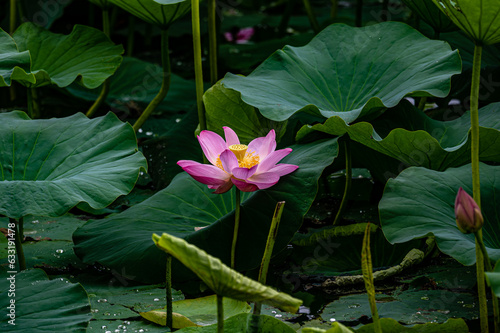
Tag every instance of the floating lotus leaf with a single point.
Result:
(349, 72)
(86, 55)
(186, 204)
(158, 12)
(408, 135)
(480, 20)
(428, 12)
(245, 322)
(13, 63)
(43, 305)
(223, 280)
(48, 166)
(420, 202)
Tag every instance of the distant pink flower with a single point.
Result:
(242, 36)
(250, 168)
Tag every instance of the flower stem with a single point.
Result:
(348, 180)
(366, 267)
(474, 120)
(130, 35)
(311, 16)
(18, 240)
(165, 85)
(195, 17)
(105, 86)
(212, 38)
(489, 268)
(220, 314)
(236, 226)
(13, 16)
(168, 289)
(271, 238)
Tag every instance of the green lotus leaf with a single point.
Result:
(200, 311)
(336, 328)
(137, 81)
(224, 107)
(493, 279)
(158, 12)
(479, 20)
(221, 279)
(408, 135)
(42, 305)
(389, 325)
(48, 166)
(86, 55)
(186, 204)
(420, 202)
(349, 72)
(428, 12)
(13, 63)
(245, 322)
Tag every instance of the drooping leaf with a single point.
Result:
(14, 64)
(349, 72)
(428, 12)
(223, 280)
(245, 322)
(407, 134)
(224, 107)
(479, 20)
(48, 166)
(186, 204)
(158, 12)
(42, 305)
(138, 81)
(86, 55)
(420, 202)
(200, 311)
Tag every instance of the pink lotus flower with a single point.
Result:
(250, 168)
(467, 213)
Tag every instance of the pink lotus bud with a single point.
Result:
(467, 213)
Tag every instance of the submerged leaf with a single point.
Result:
(223, 280)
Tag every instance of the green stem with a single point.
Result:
(359, 13)
(130, 35)
(18, 240)
(33, 107)
(334, 10)
(348, 180)
(271, 239)
(165, 85)
(489, 268)
(168, 288)
(13, 16)
(195, 17)
(421, 103)
(285, 18)
(105, 86)
(474, 119)
(220, 314)
(212, 38)
(366, 267)
(236, 226)
(311, 16)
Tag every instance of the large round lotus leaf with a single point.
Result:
(86, 55)
(478, 19)
(221, 279)
(420, 202)
(48, 166)
(349, 72)
(123, 241)
(159, 12)
(428, 12)
(42, 305)
(408, 135)
(137, 81)
(13, 63)
(224, 107)
(245, 322)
